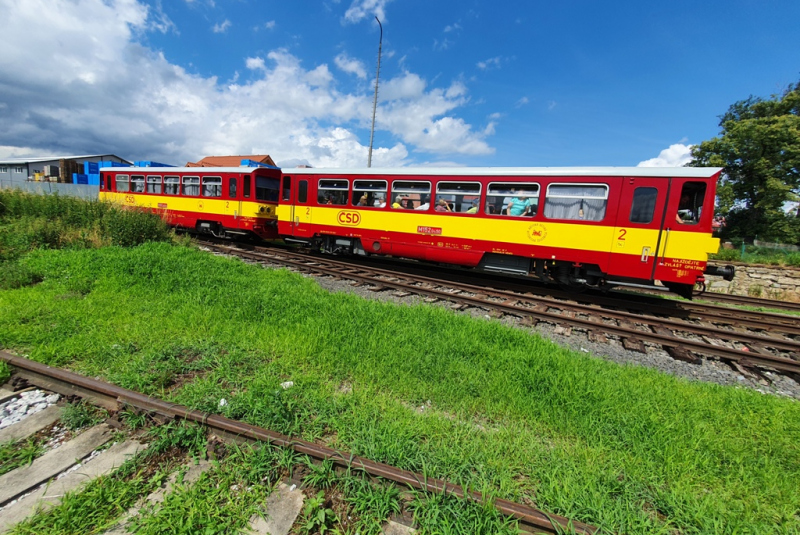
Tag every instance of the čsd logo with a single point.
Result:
(349, 219)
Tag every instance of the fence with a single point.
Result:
(44, 188)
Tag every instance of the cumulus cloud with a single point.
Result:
(86, 96)
(221, 27)
(350, 65)
(677, 155)
(491, 63)
(361, 9)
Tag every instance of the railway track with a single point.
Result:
(749, 341)
(114, 398)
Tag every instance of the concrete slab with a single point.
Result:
(30, 425)
(46, 497)
(158, 495)
(281, 510)
(393, 528)
(52, 463)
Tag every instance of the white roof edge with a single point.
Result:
(663, 172)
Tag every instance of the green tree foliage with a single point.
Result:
(759, 148)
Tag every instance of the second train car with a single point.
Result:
(575, 226)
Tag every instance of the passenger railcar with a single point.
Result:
(573, 226)
(222, 201)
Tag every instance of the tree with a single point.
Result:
(759, 148)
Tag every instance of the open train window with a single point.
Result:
(458, 197)
(191, 185)
(267, 188)
(585, 202)
(153, 184)
(410, 194)
(212, 186)
(171, 185)
(123, 183)
(519, 199)
(137, 183)
(332, 192)
(644, 205)
(369, 193)
(690, 206)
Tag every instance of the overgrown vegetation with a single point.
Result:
(32, 221)
(472, 401)
(752, 254)
(16, 454)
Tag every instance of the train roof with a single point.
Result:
(655, 172)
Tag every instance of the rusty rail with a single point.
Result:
(113, 397)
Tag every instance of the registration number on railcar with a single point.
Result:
(430, 231)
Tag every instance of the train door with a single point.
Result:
(638, 234)
(232, 207)
(686, 239)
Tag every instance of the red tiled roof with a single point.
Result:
(230, 161)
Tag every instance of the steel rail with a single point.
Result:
(744, 358)
(114, 397)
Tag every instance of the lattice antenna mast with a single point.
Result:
(375, 99)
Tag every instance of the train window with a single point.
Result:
(287, 190)
(171, 185)
(153, 184)
(267, 188)
(191, 185)
(102, 181)
(512, 198)
(644, 205)
(458, 197)
(232, 188)
(123, 183)
(212, 186)
(690, 205)
(576, 201)
(410, 194)
(332, 192)
(302, 191)
(246, 187)
(137, 183)
(369, 193)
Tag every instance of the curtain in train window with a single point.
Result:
(332, 192)
(191, 185)
(212, 186)
(123, 183)
(171, 185)
(137, 183)
(153, 184)
(585, 202)
(644, 205)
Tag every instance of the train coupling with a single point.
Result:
(726, 272)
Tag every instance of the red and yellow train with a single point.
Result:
(574, 226)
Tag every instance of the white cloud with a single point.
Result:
(350, 65)
(521, 102)
(86, 96)
(221, 27)
(677, 155)
(361, 9)
(452, 27)
(491, 63)
(270, 25)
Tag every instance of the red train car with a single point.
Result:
(223, 201)
(574, 226)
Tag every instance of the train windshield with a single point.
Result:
(267, 188)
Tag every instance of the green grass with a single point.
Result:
(758, 255)
(506, 412)
(19, 453)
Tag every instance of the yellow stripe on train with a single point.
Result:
(203, 205)
(586, 237)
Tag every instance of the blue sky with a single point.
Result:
(519, 83)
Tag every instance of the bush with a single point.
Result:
(128, 228)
